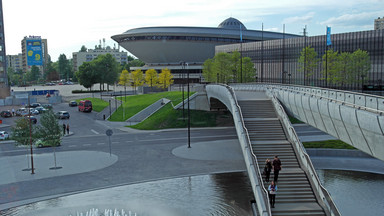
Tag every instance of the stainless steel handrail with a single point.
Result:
(253, 155)
(244, 131)
(327, 199)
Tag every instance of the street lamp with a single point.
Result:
(189, 112)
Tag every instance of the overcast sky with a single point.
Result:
(67, 25)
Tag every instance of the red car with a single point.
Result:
(85, 106)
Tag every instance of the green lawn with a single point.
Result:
(136, 103)
(97, 104)
(334, 144)
(167, 117)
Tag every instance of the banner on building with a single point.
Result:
(329, 43)
(34, 52)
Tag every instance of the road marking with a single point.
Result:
(86, 144)
(100, 143)
(128, 141)
(95, 131)
(115, 142)
(71, 146)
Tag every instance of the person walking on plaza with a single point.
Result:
(276, 164)
(68, 128)
(13, 111)
(64, 127)
(272, 189)
(267, 169)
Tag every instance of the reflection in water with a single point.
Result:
(218, 194)
(355, 193)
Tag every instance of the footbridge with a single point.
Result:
(264, 130)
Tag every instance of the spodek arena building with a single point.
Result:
(167, 47)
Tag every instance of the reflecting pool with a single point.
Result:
(217, 194)
(355, 193)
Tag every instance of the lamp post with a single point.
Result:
(189, 112)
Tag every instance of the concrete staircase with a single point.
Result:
(294, 195)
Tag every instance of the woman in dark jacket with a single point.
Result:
(267, 169)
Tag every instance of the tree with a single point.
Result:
(235, 59)
(83, 49)
(124, 79)
(151, 77)
(64, 67)
(361, 64)
(23, 132)
(208, 73)
(229, 67)
(86, 75)
(308, 62)
(137, 78)
(165, 78)
(249, 70)
(106, 69)
(136, 63)
(35, 73)
(331, 65)
(49, 130)
(222, 67)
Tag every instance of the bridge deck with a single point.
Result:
(295, 195)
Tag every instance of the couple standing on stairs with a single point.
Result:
(272, 188)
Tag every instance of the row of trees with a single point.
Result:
(229, 67)
(103, 70)
(151, 78)
(339, 68)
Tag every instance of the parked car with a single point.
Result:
(6, 113)
(40, 143)
(22, 112)
(47, 106)
(4, 135)
(85, 106)
(31, 118)
(72, 103)
(40, 109)
(62, 115)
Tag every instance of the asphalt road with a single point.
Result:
(142, 156)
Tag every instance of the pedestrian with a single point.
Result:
(267, 169)
(13, 111)
(68, 128)
(276, 164)
(272, 188)
(64, 127)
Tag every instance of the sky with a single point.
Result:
(67, 25)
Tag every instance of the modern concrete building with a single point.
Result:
(379, 23)
(15, 62)
(167, 47)
(42, 52)
(80, 57)
(276, 61)
(4, 86)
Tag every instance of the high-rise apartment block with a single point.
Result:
(80, 57)
(15, 62)
(379, 23)
(4, 86)
(34, 52)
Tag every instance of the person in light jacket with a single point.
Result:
(272, 189)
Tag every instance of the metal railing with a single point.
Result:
(305, 160)
(260, 192)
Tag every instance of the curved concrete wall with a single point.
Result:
(357, 119)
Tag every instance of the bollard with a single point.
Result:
(104, 117)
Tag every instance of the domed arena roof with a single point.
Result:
(232, 23)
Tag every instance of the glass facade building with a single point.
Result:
(277, 61)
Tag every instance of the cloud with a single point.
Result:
(306, 19)
(355, 20)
